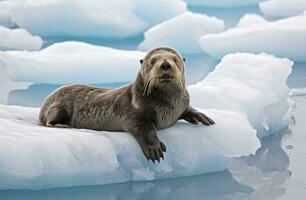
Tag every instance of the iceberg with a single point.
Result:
(241, 87)
(252, 84)
(18, 39)
(282, 8)
(96, 18)
(5, 19)
(182, 32)
(275, 38)
(72, 62)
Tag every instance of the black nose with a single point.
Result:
(165, 66)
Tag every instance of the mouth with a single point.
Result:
(165, 78)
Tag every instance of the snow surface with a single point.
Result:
(253, 84)
(18, 39)
(276, 38)
(282, 8)
(54, 157)
(182, 32)
(95, 18)
(223, 3)
(72, 62)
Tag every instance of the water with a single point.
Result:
(276, 171)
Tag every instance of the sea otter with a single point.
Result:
(155, 100)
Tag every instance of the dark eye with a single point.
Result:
(152, 61)
(175, 60)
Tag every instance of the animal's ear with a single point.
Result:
(141, 61)
(184, 59)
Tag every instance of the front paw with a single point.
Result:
(196, 117)
(201, 117)
(153, 151)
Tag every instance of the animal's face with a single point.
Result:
(163, 67)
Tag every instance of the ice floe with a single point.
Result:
(96, 18)
(276, 38)
(182, 32)
(18, 39)
(72, 62)
(240, 95)
(282, 8)
(252, 84)
(5, 18)
(53, 157)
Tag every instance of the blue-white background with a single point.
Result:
(276, 171)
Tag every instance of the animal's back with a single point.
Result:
(65, 98)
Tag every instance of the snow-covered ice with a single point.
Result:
(18, 39)
(95, 18)
(276, 38)
(53, 157)
(223, 3)
(282, 8)
(253, 84)
(182, 32)
(72, 62)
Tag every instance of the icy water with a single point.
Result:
(276, 171)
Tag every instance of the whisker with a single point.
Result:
(148, 84)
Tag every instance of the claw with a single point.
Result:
(158, 157)
(160, 152)
(203, 119)
(208, 119)
(163, 146)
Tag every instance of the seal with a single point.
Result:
(156, 100)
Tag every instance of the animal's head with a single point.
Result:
(163, 67)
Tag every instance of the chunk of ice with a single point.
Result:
(18, 39)
(88, 64)
(95, 18)
(252, 84)
(182, 32)
(276, 38)
(283, 8)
